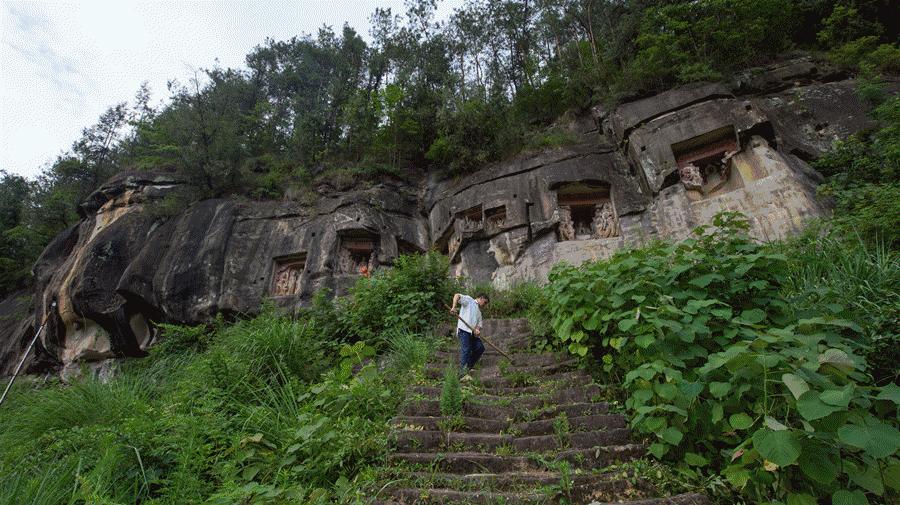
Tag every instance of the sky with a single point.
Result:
(63, 63)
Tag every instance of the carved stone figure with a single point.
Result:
(691, 176)
(287, 279)
(350, 263)
(471, 224)
(605, 221)
(566, 228)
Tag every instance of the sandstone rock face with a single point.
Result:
(653, 168)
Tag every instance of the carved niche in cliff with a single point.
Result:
(286, 274)
(471, 219)
(495, 218)
(586, 211)
(704, 162)
(357, 253)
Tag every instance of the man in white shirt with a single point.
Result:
(470, 345)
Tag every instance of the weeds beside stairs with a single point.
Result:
(529, 433)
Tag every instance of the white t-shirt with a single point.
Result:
(470, 312)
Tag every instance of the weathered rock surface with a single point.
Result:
(653, 168)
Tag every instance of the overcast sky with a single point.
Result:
(63, 63)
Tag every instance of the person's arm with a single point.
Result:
(478, 325)
(455, 301)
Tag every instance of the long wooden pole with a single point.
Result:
(25, 356)
(482, 337)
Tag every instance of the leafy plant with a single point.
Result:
(451, 394)
(723, 375)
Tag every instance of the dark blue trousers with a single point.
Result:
(470, 349)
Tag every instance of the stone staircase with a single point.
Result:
(532, 432)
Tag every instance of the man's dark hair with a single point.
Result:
(487, 298)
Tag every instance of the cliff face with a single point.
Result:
(653, 168)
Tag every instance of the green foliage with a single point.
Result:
(451, 393)
(828, 269)
(261, 411)
(863, 177)
(724, 374)
(411, 295)
(525, 299)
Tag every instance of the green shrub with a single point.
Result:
(451, 393)
(723, 374)
(409, 296)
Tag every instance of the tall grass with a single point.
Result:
(863, 277)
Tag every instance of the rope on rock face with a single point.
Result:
(27, 352)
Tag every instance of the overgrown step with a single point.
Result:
(585, 393)
(432, 408)
(682, 499)
(470, 462)
(448, 496)
(527, 428)
(494, 358)
(415, 440)
(531, 431)
(599, 484)
(495, 370)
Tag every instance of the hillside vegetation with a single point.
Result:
(329, 108)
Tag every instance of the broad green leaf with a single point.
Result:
(672, 435)
(717, 412)
(719, 389)
(644, 340)
(795, 384)
(705, 280)
(800, 499)
(811, 407)
(836, 358)
(819, 463)
(779, 447)
(867, 477)
(737, 475)
(844, 497)
(694, 459)
(658, 450)
(838, 397)
(892, 476)
(740, 421)
(627, 324)
(691, 389)
(890, 392)
(878, 440)
(666, 391)
(773, 424)
(753, 316)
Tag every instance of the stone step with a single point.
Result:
(433, 423)
(571, 378)
(595, 485)
(470, 462)
(494, 358)
(432, 408)
(418, 440)
(501, 328)
(682, 499)
(579, 423)
(451, 496)
(573, 394)
(491, 379)
(494, 370)
(531, 428)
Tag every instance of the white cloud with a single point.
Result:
(63, 63)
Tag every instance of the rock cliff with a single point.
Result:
(652, 168)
